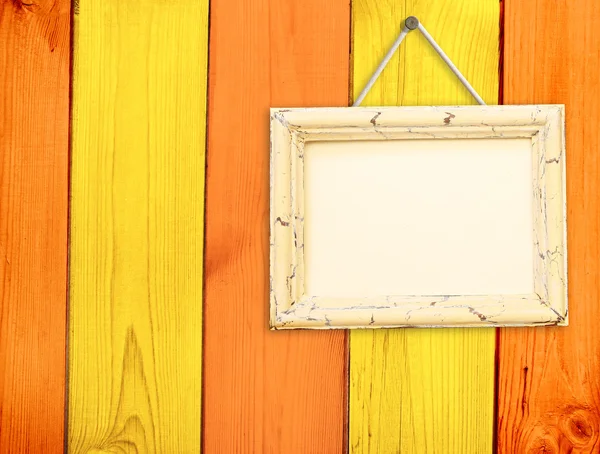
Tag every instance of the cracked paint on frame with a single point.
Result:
(290, 307)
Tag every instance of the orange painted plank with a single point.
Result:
(549, 378)
(34, 131)
(275, 392)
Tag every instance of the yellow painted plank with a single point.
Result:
(137, 202)
(429, 390)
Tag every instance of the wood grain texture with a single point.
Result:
(268, 392)
(34, 131)
(423, 391)
(549, 380)
(135, 327)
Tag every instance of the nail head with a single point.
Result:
(411, 22)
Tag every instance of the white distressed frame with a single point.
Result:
(290, 307)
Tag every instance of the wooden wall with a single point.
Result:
(409, 388)
(549, 379)
(264, 391)
(136, 236)
(133, 288)
(34, 161)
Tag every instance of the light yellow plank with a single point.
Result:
(424, 391)
(137, 198)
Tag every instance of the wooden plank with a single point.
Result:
(139, 105)
(423, 390)
(549, 385)
(264, 391)
(34, 156)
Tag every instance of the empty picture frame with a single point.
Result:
(418, 216)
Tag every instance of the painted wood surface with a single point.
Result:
(265, 391)
(423, 391)
(335, 302)
(549, 385)
(136, 245)
(34, 127)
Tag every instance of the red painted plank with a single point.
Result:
(34, 129)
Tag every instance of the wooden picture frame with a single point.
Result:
(541, 130)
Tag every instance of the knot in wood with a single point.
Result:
(579, 425)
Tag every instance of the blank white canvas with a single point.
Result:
(418, 217)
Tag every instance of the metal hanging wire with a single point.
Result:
(412, 23)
